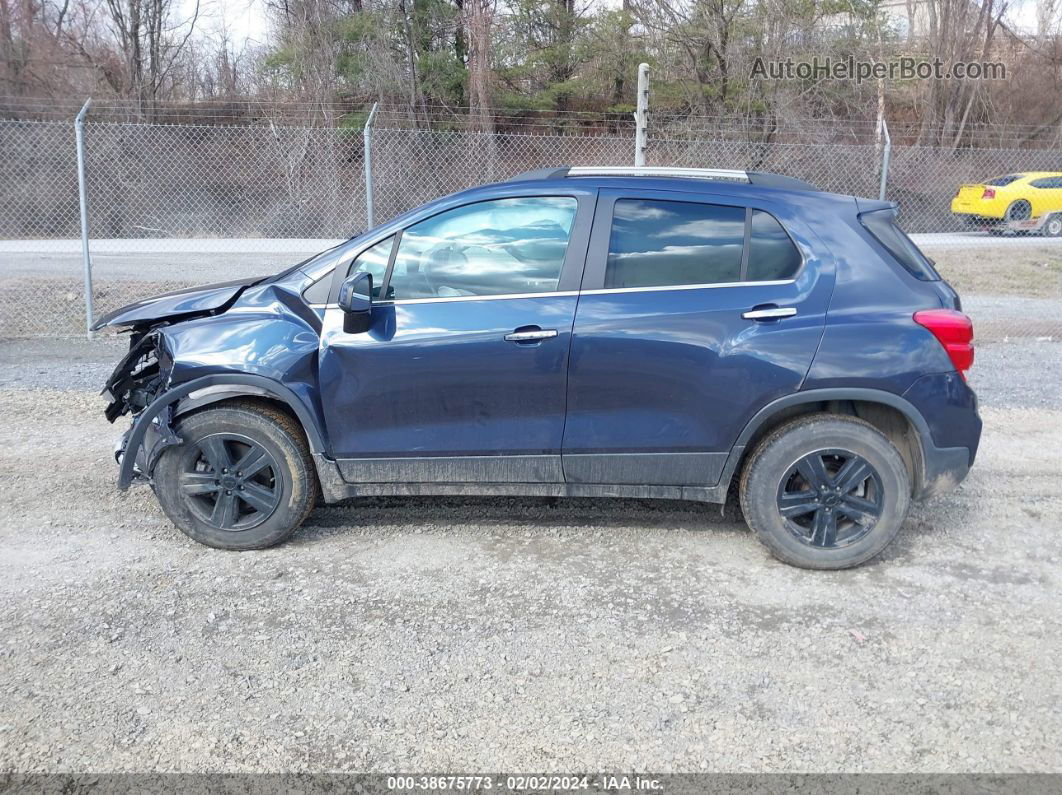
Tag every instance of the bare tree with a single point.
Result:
(478, 26)
(150, 42)
(958, 30)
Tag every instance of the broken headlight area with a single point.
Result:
(142, 374)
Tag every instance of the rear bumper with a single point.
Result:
(978, 209)
(944, 469)
(949, 408)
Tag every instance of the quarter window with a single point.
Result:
(1002, 182)
(772, 255)
(664, 243)
(374, 260)
(498, 247)
(882, 225)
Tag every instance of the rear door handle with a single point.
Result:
(531, 335)
(769, 313)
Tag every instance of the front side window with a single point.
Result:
(499, 247)
(665, 243)
(1047, 182)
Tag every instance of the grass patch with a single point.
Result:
(1034, 271)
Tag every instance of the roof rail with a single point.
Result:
(759, 178)
(657, 171)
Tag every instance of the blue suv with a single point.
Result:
(588, 332)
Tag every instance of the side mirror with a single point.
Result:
(355, 299)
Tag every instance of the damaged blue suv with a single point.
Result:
(587, 332)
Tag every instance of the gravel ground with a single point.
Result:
(521, 634)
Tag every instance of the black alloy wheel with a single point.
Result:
(229, 482)
(830, 498)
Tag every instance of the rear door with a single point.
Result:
(461, 375)
(695, 312)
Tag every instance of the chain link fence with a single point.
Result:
(175, 205)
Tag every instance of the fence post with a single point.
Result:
(641, 115)
(367, 139)
(885, 155)
(79, 136)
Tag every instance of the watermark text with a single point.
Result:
(902, 68)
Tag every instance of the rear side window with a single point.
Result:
(772, 255)
(664, 243)
(882, 225)
(1002, 182)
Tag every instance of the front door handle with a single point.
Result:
(769, 313)
(531, 335)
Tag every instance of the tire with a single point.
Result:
(261, 506)
(774, 477)
(1053, 226)
(1020, 210)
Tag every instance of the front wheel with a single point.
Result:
(242, 478)
(825, 492)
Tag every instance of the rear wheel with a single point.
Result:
(825, 492)
(241, 479)
(1020, 210)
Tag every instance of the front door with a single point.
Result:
(461, 375)
(695, 313)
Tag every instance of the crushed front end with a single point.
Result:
(142, 375)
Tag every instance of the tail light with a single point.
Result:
(990, 193)
(954, 331)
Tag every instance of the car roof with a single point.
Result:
(739, 184)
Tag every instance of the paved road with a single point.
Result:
(199, 260)
(194, 261)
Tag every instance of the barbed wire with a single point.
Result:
(664, 123)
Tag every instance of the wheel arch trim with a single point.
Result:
(221, 387)
(867, 395)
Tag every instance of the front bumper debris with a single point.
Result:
(158, 435)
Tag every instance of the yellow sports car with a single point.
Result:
(1015, 197)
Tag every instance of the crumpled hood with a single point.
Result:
(178, 305)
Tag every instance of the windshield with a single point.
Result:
(882, 225)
